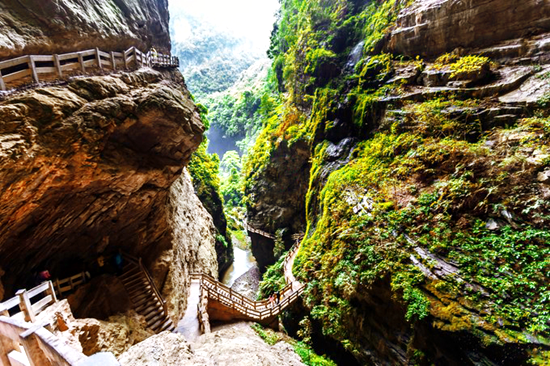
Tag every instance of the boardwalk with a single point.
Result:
(224, 304)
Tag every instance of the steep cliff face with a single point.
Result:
(426, 207)
(36, 27)
(433, 27)
(88, 167)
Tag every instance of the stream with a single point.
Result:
(244, 261)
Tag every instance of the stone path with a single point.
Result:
(189, 324)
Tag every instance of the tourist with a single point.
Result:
(278, 297)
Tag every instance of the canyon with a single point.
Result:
(401, 145)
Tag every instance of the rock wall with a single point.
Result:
(36, 26)
(193, 249)
(87, 169)
(433, 27)
(276, 200)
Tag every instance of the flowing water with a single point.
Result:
(244, 260)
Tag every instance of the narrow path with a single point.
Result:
(189, 324)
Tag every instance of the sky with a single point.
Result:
(251, 19)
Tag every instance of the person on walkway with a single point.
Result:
(154, 54)
(278, 297)
(119, 263)
(271, 300)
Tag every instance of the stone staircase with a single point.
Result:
(145, 296)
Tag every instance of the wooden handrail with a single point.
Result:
(156, 291)
(23, 300)
(24, 66)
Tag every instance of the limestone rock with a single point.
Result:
(87, 168)
(193, 248)
(434, 27)
(544, 176)
(248, 283)
(36, 27)
(235, 344)
(90, 336)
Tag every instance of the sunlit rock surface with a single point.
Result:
(36, 26)
(236, 344)
(87, 169)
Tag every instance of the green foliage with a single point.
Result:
(231, 183)
(269, 336)
(309, 357)
(273, 279)
(461, 65)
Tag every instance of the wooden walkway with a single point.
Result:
(36, 68)
(224, 304)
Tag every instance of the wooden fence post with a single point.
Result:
(57, 63)
(32, 66)
(113, 61)
(51, 291)
(125, 61)
(2, 84)
(25, 305)
(98, 56)
(81, 61)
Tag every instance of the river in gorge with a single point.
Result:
(243, 276)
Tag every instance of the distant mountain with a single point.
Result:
(211, 60)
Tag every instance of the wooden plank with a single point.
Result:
(65, 288)
(81, 62)
(71, 66)
(17, 75)
(2, 83)
(118, 54)
(88, 52)
(32, 66)
(11, 303)
(113, 61)
(68, 56)
(42, 58)
(57, 64)
(90, 63)
(98, 58)
(46, 70)
(40, 305)
(14, 62)
(38, 289)
(25, 303)
(76, 277)
(105, 63)
(104, 54)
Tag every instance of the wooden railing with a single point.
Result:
(149, 278)
(256, 310)
(28, 310)
(40, 345)
(35, 65)
(258, 231)
(70, 283)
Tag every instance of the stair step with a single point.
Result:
(147, 307)
(138, 280)
(158, 322)
(138, 286)
(139, 301)
(151, 312)
(152, 323)
(167, 325)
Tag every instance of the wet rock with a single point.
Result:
(248, 283)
